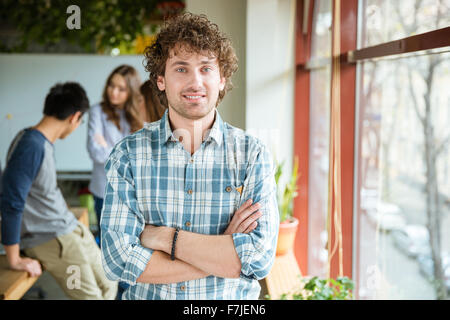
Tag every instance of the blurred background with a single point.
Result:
(358, 91)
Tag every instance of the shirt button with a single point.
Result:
(228, 189)
(191, 160)
(183, 288)
(187, 224)
(189, 191)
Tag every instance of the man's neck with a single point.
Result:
(50, 127)
(195, 129)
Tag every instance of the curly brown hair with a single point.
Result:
(132, 115)
(195, 33)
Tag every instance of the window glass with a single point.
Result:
(321, 30)
(403, 178)
(388, 20)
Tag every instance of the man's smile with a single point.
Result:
(193, 97)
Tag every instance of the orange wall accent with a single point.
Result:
(301, 135)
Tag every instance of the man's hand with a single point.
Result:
(244, 219)
(33, 267)
(154, 237)
(16, 262)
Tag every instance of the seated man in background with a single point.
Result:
(35, 216)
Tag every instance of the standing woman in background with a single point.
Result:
(118, 115)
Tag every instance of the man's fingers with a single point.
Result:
(247, 212)
(249, 221)
(36, 268)
(33, 268)
(244, 206)
(251, 227)
(237, 216)
(243, 217)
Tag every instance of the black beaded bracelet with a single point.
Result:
(172, 254)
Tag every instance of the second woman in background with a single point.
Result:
(118, 115)
(154, 110)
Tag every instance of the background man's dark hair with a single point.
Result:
(65, 99)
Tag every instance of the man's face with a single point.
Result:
(192, 82)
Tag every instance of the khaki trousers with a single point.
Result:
(74, 260)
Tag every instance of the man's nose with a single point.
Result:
(196, 80)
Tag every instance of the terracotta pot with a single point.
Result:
(286, 236)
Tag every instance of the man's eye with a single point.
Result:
(207, 69)
(181, 70)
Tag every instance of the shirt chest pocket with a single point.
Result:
(229, 194)
(225, 200)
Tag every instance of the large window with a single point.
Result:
(378, 98)
(403, 172)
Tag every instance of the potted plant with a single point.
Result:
(288, 223)
(321, 289)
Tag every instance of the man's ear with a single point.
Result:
(75, 117)
(222, 83)
(160, 82)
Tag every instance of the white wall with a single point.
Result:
(25, 80)
(230, 16)
(270, 74)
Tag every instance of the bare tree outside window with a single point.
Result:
(404, 155)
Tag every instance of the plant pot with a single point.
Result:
(286, 236)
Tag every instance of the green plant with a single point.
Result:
(286, 197)
(322, 289)
(326, 289)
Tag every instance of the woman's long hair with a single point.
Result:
(131, 107)
(155, 110)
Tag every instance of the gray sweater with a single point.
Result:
(33, 208)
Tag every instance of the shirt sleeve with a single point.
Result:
(123, 256)
(97, 152)
(256, 250)
(20, 172)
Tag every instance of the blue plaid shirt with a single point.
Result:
(152, 179)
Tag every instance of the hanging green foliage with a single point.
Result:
(104, 24)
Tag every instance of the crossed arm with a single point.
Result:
(197, 255)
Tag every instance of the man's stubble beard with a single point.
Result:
(185, 113)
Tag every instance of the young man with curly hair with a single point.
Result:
(190, 204)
